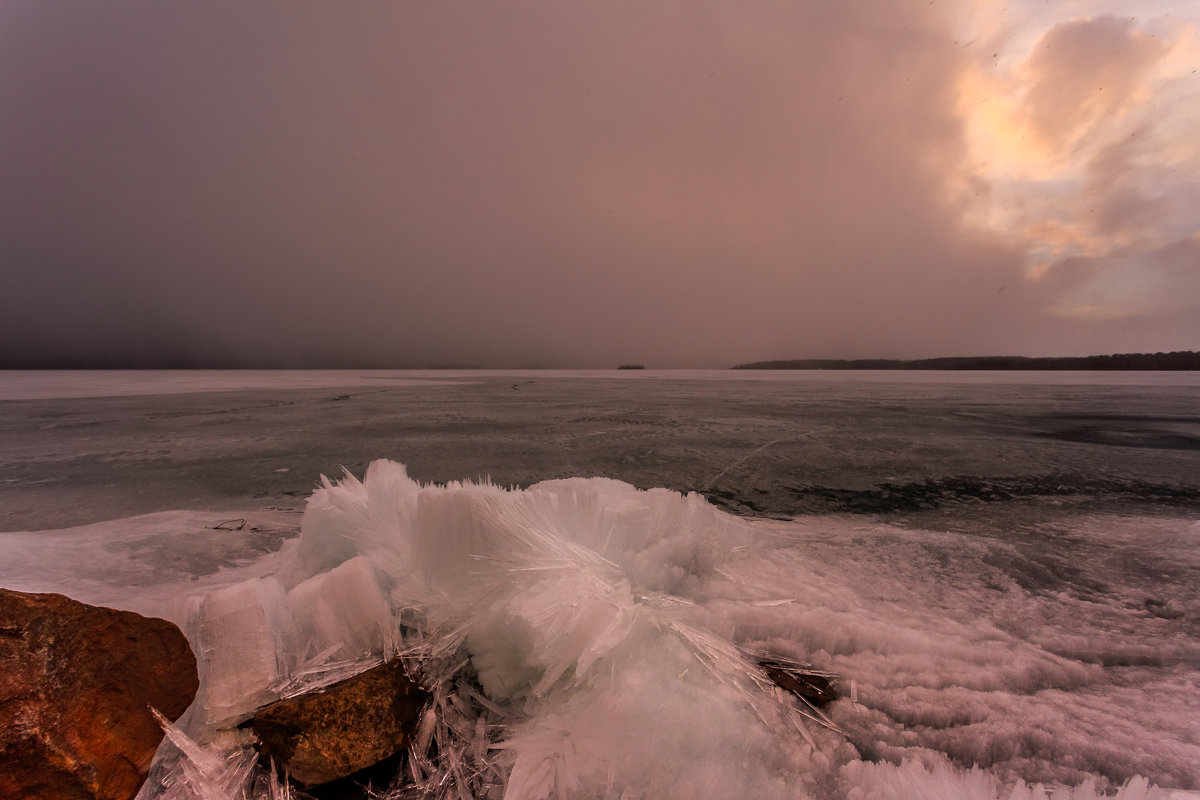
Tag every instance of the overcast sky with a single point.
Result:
(672, 182)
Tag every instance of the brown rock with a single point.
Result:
(814, 686)
(330, 733)
(75, 683)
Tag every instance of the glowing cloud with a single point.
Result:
(1088, 162)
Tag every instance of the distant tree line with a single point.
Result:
(1178, 360)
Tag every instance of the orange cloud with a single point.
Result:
(1087, 146)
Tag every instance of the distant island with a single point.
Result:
(1179, 360)
(636, 366)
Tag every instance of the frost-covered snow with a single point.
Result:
(582, 638)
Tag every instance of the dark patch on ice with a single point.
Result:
(1129, 437)
(1157, 432)
(961, 490)
(1170, 418)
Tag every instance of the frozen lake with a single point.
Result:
(762, 443)
(1002, 565)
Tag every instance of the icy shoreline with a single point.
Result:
(606, 628)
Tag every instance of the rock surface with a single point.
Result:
(336, 731)
(75, 683)
(812, 685)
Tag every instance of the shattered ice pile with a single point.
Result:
(562, 633)
(567, 604)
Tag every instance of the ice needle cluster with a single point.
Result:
(561, 632)
(551, 625)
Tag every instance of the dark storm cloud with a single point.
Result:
(680, 183)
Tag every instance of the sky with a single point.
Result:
(678, 183)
